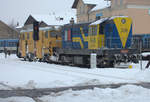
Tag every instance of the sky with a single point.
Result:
(19, 10)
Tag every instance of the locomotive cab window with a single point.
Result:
(90, 30)
(101, 29)
(46, 34)
(94, 30)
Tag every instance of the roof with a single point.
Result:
(99, 4)
(2, 23)
(54, 19)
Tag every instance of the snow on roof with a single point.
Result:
(41, 28)
(99, 21)
(91, 1)
(107, 18)
(101, 5)
(20, 26)
(55, 19)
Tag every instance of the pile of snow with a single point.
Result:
(17, 99)
(145, 54)
(128, 93)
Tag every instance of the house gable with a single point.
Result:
(7, 32)
(31, 19)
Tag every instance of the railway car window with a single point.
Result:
(46, 34)
(2, 43)
(28, 36)
(66, 35)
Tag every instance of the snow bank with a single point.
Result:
(145, 54)
(17, 99)
(128, 93)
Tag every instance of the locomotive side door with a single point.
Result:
(93, 37)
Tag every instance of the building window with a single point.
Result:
(121, 2)
(98, 17)
(82, 9)
(149, 11)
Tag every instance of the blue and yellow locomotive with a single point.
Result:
(115, 32)
(110, 38)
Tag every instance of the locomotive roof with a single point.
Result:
(107, 19)
(99, 21)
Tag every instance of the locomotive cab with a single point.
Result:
(96, 34)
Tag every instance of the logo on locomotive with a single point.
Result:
(123, 21)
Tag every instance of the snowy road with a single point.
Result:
(34, 93)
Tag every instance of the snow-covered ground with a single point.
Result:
(15, 73)
(128, 93)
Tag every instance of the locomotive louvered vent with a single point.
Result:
(35, 30)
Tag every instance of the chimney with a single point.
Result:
(72, 21)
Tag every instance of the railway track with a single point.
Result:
(34, 93)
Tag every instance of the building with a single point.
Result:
(7, 32)
(52, 20)
(89, 10)
(138, 10)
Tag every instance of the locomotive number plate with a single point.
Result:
(124, 51)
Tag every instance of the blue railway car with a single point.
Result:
(9, 44)
(142, 41)
(110, 38)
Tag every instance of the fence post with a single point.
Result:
(141, 54)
